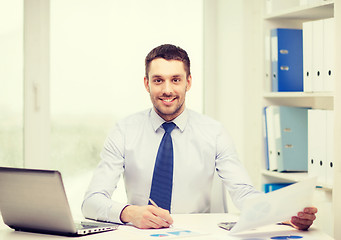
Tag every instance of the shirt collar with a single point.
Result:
(180, 121)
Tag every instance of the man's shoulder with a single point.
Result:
(136, 118)
(202, 119)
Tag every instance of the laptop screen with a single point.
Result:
(34, 199)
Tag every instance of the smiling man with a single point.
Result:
(168, 155)
(167, 83)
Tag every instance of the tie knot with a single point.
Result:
(168, 126)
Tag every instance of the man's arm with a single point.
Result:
(97, 202)
(239, 186)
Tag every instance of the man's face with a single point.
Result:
(167, 86)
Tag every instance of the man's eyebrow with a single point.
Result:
(156, 76)
(173, 76)
(178, 75)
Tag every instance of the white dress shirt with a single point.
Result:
(200, 145)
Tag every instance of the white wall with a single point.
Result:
(232, 36)
(232, 74)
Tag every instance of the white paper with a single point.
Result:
(164, 233)
(279, 205)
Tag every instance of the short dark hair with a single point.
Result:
(168, 52)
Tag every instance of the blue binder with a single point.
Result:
(292, 139)
(287, 60)
(269, 187)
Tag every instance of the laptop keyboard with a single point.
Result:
(87, 225)
(82, 225)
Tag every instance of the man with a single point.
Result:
(197, 146)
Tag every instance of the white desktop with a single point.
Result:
(204, 226)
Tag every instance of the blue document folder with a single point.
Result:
(269, 187)
(287, 60)
(292, 138)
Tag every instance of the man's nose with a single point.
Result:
(168, 88)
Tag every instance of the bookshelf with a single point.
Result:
(301, 99)
(293, 17)
(318, 10)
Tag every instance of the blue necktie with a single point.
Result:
(162, 184)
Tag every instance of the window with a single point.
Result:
(11, 80)
(97, 67)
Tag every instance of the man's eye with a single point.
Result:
(158, 80)
(176, 80)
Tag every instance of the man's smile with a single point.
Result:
(168, 100)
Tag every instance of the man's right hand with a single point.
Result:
(146, 216)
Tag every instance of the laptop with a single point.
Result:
(35, 201)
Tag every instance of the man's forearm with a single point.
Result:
(97, 206)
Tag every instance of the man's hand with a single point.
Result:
(304, 219)
(146, 216)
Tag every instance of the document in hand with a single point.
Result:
(279, 205)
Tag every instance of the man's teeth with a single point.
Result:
(168, 100)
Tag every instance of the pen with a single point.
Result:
(155, 205)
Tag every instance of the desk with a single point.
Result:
(203, 223)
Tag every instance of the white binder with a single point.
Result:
(312, 135)
(271, 138)
(321, 146)
(307, 56)
(267, 57)
(318, 58)
(317, 144)
(329, 54)
(329, 180)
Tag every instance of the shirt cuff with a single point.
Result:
(121, 214)
(116, 211)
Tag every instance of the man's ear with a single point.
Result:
(189, 83)
(146, 84)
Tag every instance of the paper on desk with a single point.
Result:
(164, 233)
(279, 205)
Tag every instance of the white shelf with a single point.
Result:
(299, 95)
(292, 177)
(307, 12)
(318, 100)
